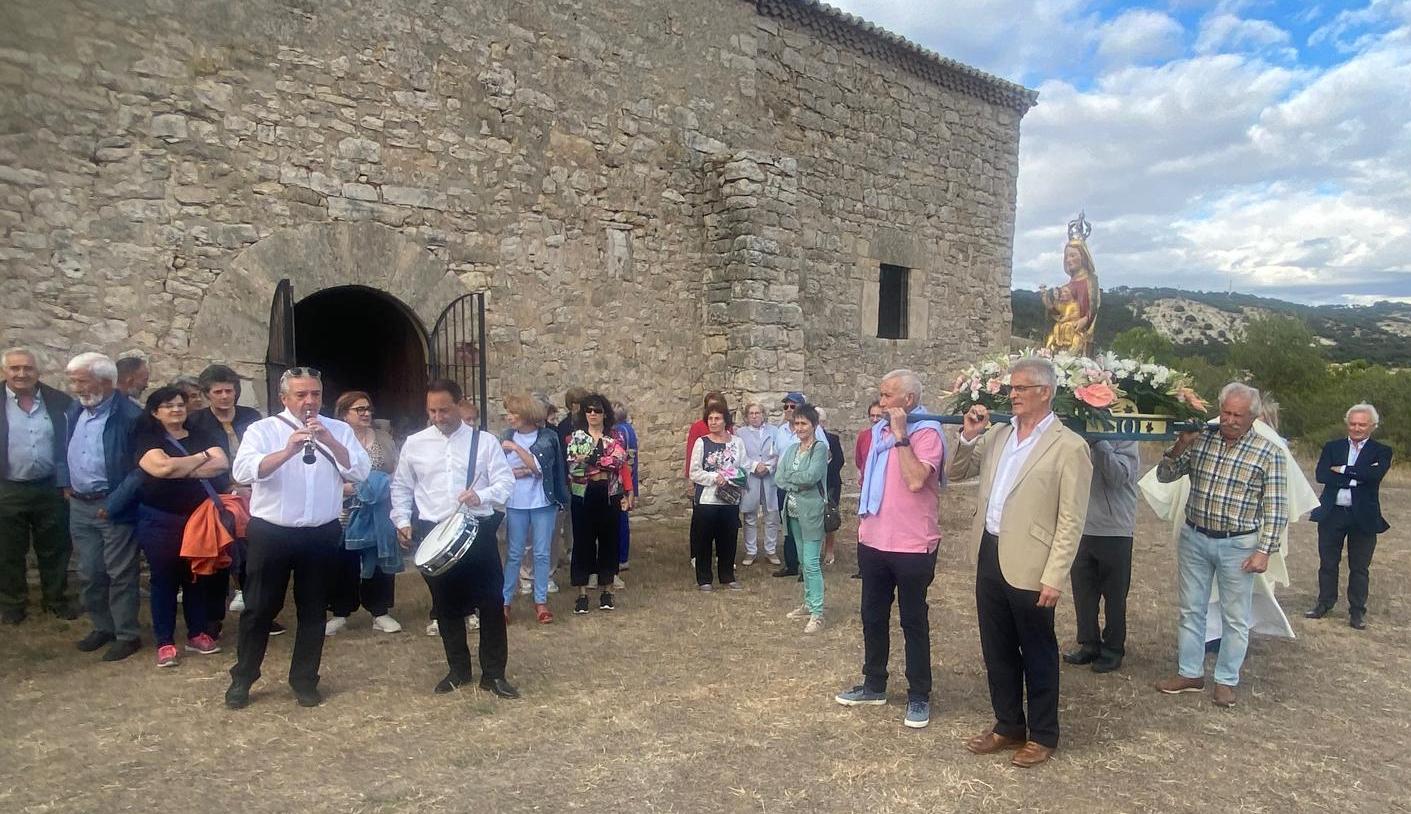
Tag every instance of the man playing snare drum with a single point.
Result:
(431, 478)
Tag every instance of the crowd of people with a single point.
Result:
(209, 492)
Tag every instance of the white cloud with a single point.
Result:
(1227, 33)
(1139, 36)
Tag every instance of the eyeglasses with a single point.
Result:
(1020, 388)
(587, 410)
(789, 405)
(362, 410)
(303, 373)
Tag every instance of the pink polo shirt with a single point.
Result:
(909, 522)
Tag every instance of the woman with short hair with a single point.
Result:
(718, 466)
(535, 455)
(801, 473)
(354, 584)
(174, 460)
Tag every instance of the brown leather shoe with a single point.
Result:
(987, 743)
(1223, 696)
(1032, 755)
(1179, 684)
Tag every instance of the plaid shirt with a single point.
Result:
(1234, 488)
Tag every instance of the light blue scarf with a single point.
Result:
(870, 500)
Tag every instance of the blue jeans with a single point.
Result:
(520, 525)
(1201, 559)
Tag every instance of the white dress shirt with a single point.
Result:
(297, 495)
(431, 475)
(1354, 448)
(1011, 460)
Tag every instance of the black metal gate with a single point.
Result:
(458, 349)
(280, 355)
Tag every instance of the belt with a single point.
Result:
(1220, 535)
(44, 481)
(90, 497)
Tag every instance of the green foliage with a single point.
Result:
(1144, 343)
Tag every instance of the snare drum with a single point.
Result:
(446, 544)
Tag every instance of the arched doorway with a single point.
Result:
(364, 339)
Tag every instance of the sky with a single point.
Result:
(1262, 146)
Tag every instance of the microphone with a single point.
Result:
(309, 456)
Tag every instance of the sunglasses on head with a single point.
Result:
(305, 373)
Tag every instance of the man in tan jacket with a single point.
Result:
(1034, 480)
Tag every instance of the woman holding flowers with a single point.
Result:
(600, 482)
(718, 469)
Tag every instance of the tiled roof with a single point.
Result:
(860, 35)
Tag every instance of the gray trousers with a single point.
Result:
(108, 569)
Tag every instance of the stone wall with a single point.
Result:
(658, 198)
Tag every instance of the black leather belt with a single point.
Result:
(90, 497)
(1220, 535)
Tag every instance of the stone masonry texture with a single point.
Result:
(657, 198)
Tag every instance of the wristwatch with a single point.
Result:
(903, 442)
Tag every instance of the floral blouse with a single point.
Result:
(603, 460)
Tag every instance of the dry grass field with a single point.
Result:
(688, 702)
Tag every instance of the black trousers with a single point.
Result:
(907, 577)
(34, 511)
(715, 530)
(476, 583)
(1333, 530)
(349, 590)
(1102, 573)
(791, 546)
(274, 554)
(596, 519)
(1020, 650)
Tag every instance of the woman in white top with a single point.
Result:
(535, 455)
(718, 467)
(760, 492)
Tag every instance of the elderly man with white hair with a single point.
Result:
(31, 503)
(1237, 512)
(102, 489)
(1350, 512)
(897, 538)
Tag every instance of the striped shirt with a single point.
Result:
(1238, 487)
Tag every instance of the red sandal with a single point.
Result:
(543, 614)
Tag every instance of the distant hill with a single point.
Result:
(1206, 322)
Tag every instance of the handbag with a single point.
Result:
(832, 518)
(731, 493)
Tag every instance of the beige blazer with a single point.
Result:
(1044, 514)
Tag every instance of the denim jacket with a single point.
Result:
(547, 449)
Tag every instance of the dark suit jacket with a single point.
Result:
(56, 404)
(1372, 463)
(206, 421)
(124, 477)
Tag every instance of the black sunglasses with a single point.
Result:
(587, 410)
(305, 373)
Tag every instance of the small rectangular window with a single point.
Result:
(892, 302)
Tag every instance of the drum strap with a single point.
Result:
(474, 451)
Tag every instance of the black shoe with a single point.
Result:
(237, 696)
(121, 649)
(450, 682)
(858, 575)
(1319, 611)
(786, 571)
(604, 603)
(66, 612)
(13, 616)
(499, 687)
(1107, 664)
(94, 640)
(580, 605)
(1357, 622)
(214, 629)
(276, 629)
(308, 696)
(1083, 655)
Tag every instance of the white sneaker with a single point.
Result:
(553, 586)
(618, 584)
(797, 613)
(332, 626)
(472, 622)
(747, 561)
(525, 587)
(386, 624)
(624, 567)
(815, 623)
(237, 605)
(433, 629)
(774, 559)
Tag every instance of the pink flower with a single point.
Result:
(1096, 395)
(992, 387)
(1189, 397)
(959, 383)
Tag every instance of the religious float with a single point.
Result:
(1099, 395)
